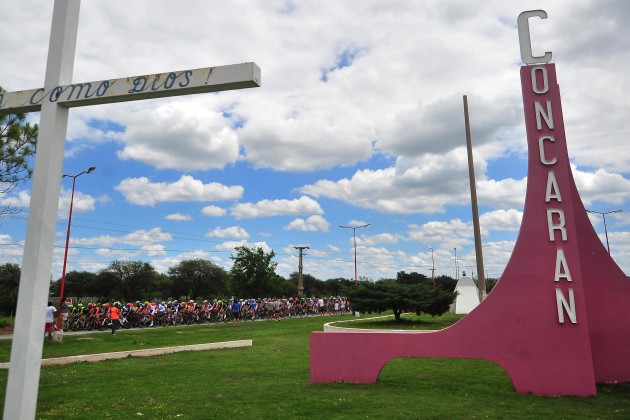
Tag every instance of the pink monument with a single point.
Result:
(557, 321)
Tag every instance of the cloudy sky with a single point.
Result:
(359, 120)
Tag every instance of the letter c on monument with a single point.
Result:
(525, 40)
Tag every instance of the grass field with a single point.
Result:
(271, 380)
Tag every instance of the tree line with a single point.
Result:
(251, 276)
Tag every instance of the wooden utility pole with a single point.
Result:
(481, 280)
(300, 277)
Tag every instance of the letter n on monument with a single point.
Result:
(556, 322)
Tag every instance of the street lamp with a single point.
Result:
(354, 235)
(456, 266)
(432, 265)
(65, 255)
(604, 216)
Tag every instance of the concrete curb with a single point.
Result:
(139, 353)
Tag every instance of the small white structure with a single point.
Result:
(467, 296)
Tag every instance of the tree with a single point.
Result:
(412, 278)
(161, 286)
(77, 284)
(18, 140)
(198, 277)
(253, 273)
(337, 286)
(389, 294)
(9, 285)
(446, 282)
(129, 279)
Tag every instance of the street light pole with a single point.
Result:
(354, 236)
(432, 265)
(605, 228)
(65, 255)
(456, 267)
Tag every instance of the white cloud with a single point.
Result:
(20, 200)
(213, 211)
(265, 208)
(146, 193)
(451, 234)
(139, 237)
(178, 217)
(153, 250)
(601, 185)
(314, 223)
(234, 232)
(379, 239)
(420, 185)
(177, 135)
(509, 220)
(231, 245)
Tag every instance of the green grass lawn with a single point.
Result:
(271, 380)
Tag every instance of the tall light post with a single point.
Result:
(432, 265)
(354, 236)
(456, 266)
(604, 213)
(65, 255)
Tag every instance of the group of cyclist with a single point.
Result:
(140, 314)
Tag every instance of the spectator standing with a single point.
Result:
(50, 317)
(114, 314)
(236, 310)
(65, 310)
(276, 309)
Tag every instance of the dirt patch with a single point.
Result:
(6, 330)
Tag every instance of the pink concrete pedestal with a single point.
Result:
(557, 321)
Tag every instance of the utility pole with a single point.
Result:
(456, 265)
(432, 266)
(354, 236)
(300, 277)
(481, 280)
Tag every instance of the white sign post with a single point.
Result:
(54, 101)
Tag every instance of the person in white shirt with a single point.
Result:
(50, 317)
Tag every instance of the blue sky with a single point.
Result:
(359, 120)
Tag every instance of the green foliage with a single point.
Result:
(79, 284)
(127, 280)
(412, 278)
(315, 287)
(392, 295)
(161, 286)
(446, 282)
(9, 285)
(18, 140)
(490, 283)
(253, 273)
(198, 277)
